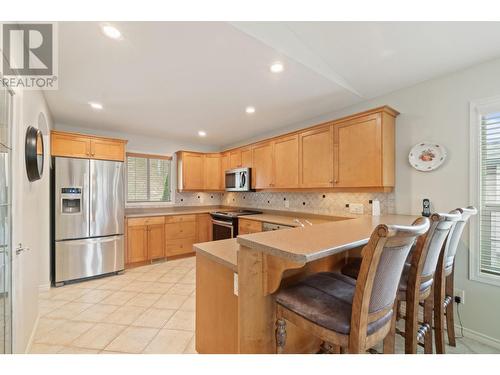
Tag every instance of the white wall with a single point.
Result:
(30, 221)
(438, 111)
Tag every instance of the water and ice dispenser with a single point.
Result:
(71, 200)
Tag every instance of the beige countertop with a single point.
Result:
(224, 252)
(317, 241)
(166, 211)
(289, 219)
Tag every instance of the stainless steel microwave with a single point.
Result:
(238, 179)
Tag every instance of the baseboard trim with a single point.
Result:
(44, 288)
(480, 337)
(32, 336)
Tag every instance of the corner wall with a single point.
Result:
(30, 219)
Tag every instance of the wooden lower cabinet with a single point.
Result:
(137, 244)
(246, 226)
(203, 228)
(156, 241)
(180, 234)
(145, 239)
(157, 237)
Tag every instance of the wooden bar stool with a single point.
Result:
(346, 313)
(416, 284)
(443, 291)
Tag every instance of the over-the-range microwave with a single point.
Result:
(238, 179)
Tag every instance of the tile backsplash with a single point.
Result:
(310, 202)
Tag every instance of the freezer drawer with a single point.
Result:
(78, 259)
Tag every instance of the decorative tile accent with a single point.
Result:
(308, 202)
(198, 199)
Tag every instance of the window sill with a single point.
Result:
(485, 279)
(149, 204)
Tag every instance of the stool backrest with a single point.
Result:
(456, 233)
(441, 226)
(383, 260)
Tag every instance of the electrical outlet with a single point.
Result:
(356, 208)
(460, 294)
(287, 204)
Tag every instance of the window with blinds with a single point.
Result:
(489, 228)
(148, 178)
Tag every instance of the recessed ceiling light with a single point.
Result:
(95, 105)
(277, 67)
(111, 32)
(202, 133)
(250, 109)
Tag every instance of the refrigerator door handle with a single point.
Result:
(92, 197)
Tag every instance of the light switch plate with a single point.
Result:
(235, 284)
(287, 204)
(356, 208)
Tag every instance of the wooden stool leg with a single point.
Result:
(450, 318)
(428, 321)
(390, 339)
(439, 294)
(411, 323)
(280, 335)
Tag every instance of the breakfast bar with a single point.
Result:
(236, 280)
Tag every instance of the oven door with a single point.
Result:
(222, 230)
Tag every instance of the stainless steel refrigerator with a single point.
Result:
(88, 218)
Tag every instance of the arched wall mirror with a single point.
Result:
(34, 153)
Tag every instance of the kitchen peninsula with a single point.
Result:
(236, 280)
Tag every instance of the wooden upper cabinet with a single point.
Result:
(235, 159)
(262, 171)
(354, 152)
(212, 171)
(70, 145)
(190, 167)
(224, 162)
(107, 149)
(316, 158)
(88, 147)
(286, 162)
(246, 157)
(364, 152)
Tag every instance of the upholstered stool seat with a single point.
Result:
(326, 300)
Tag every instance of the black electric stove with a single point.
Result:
(225, 223)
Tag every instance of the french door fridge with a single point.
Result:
(88, 218)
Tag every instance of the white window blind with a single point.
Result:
(489, 262)
(148, 178)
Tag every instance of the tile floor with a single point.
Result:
(149, 309)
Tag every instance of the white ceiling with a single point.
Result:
(171, 79)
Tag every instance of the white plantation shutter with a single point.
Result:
(148, 179)
(489, 226)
